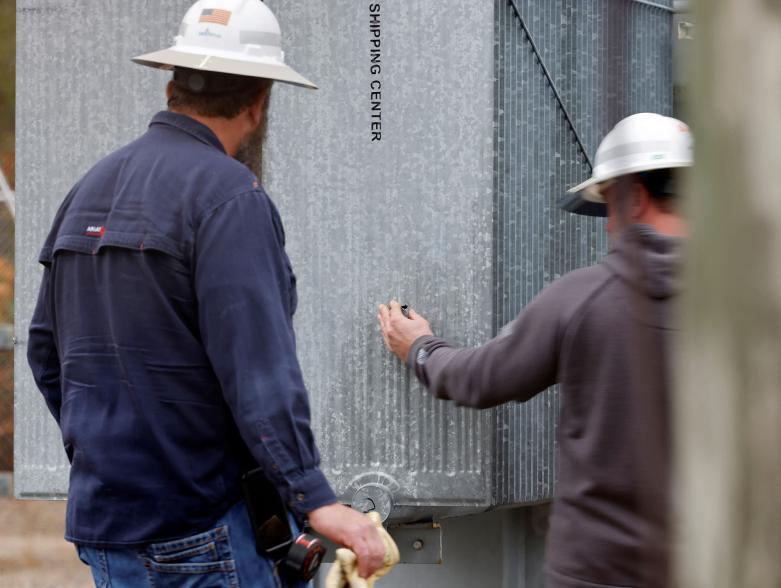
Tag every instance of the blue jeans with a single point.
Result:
(223, 557)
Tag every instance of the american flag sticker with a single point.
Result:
(215, 16)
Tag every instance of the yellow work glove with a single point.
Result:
(344, 571)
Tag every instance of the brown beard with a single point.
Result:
(250, 151)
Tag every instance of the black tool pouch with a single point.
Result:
(297, 557)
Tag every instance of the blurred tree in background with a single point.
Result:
(7, 85)
(7, 163)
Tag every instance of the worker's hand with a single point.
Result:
(344, 571)
(400, 332)
(348, 527)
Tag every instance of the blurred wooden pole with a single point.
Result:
(729, 376)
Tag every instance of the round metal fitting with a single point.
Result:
(373, 498)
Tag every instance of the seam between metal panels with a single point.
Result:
(653, 5)
(551, 83)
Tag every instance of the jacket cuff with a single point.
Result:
(309, 491)
(419, 345)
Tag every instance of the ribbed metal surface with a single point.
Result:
(78, 98)
(538, 158)
(409, 216)
(455, 211)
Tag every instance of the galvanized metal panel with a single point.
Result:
(409, 216)
(538, 159)
(418, 215)
(78, 98)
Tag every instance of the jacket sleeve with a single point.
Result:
(516, 365)
(42, 355)
(243, 286)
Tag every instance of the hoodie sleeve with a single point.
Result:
(516, 365)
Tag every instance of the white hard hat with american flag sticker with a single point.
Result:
(239, 37)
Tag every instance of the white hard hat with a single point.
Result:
(641, 142)
(239, 37)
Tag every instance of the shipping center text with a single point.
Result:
(375, 69)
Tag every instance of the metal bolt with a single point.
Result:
(417, 545)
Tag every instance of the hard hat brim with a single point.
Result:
(172, 57)
(589, 188)
(588, 191)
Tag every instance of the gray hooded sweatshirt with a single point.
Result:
(603, 333)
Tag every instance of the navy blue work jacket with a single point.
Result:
(163, 342)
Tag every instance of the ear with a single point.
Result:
(641, 201)
(169, 89)
(257, 108)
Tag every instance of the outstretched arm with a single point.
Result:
(513, 366)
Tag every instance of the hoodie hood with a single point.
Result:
(648, 261)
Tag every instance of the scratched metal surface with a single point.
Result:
(538, 159)
(412, 216)
(409, 216)
(78, 98)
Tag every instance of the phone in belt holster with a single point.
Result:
(298, 557)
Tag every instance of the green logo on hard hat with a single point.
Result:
(658, 156)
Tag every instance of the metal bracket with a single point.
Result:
(418, 544)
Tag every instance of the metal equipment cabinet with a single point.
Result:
(488, 111)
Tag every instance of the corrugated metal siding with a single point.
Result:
(417, 216)
(538, 159)
(78, 98)
(410, 216)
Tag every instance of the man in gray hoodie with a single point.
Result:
(603, 334)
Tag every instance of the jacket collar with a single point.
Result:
(648, 260)
(188, 125)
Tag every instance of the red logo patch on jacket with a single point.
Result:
(95, 231)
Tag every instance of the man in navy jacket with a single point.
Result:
(163, 345)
